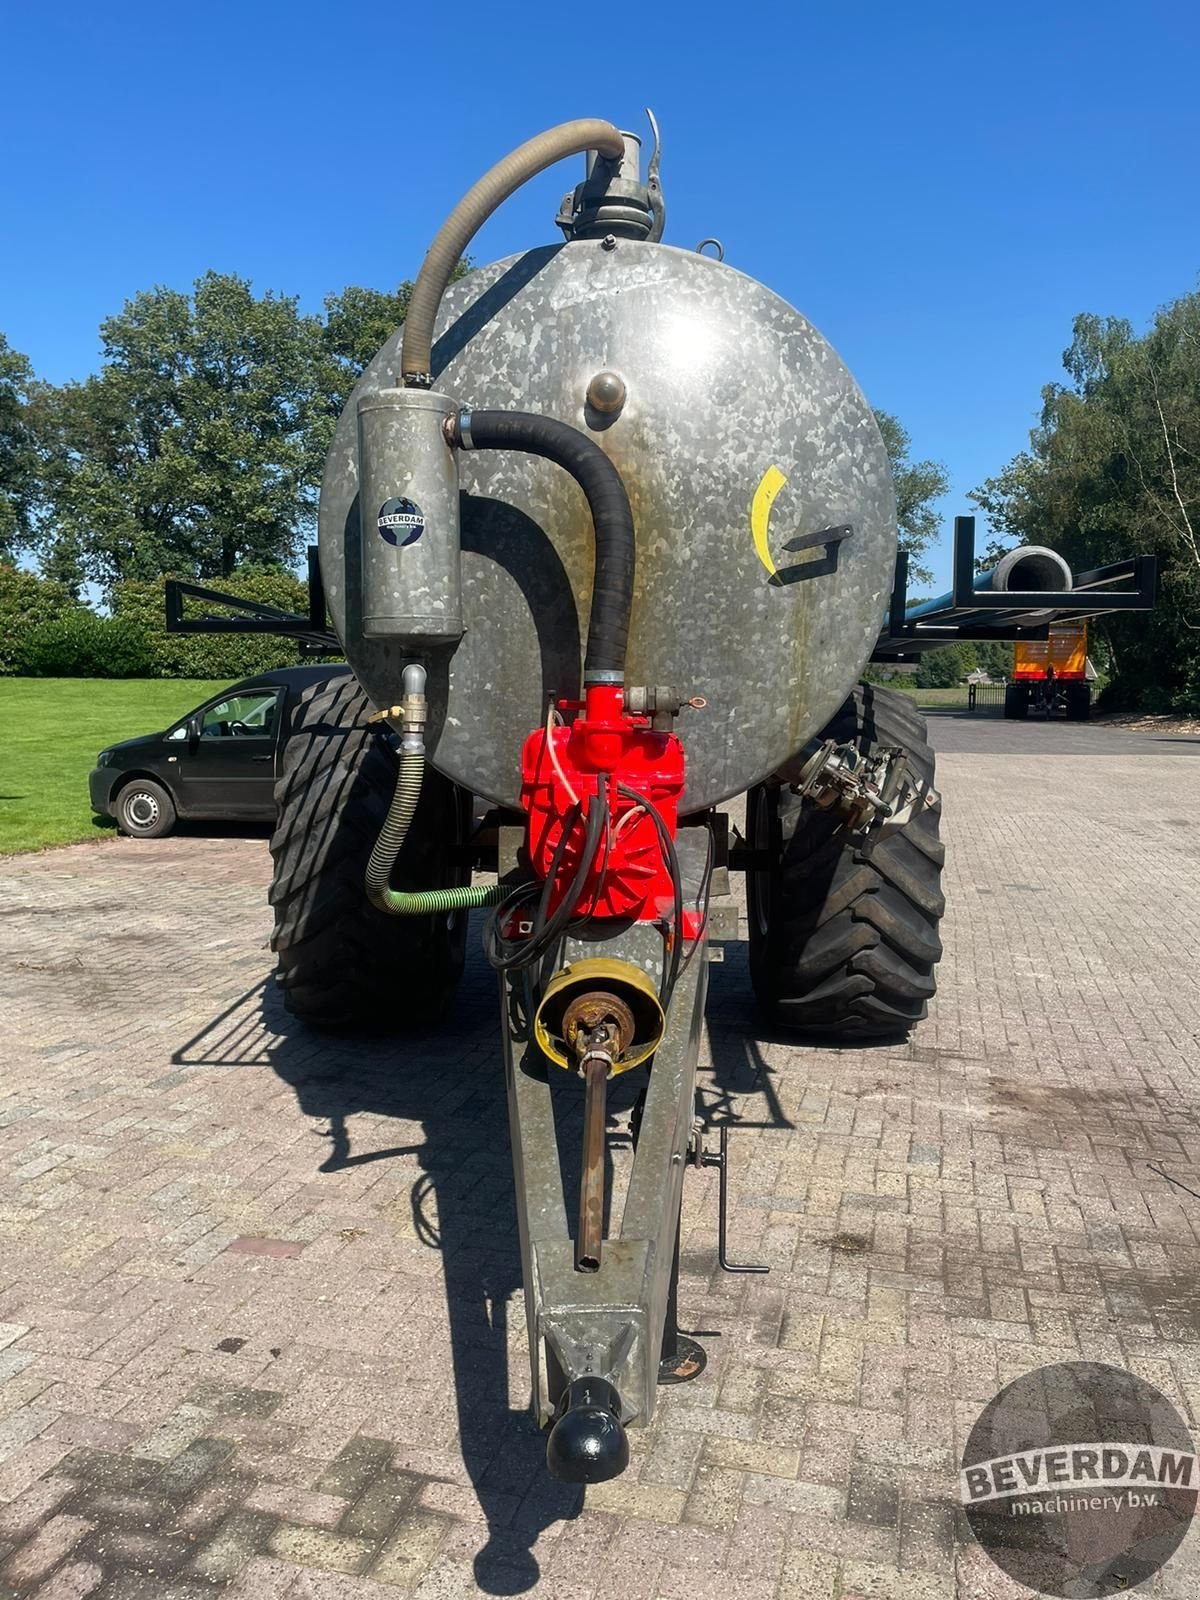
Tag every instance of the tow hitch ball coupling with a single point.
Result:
(587, 1443)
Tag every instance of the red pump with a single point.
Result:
(637, 766)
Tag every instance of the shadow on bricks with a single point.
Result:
(450, 1082)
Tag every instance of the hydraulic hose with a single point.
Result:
(469, 215)
(612, 585)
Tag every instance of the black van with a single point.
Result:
(220, 761)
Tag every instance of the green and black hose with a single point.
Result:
(407, 794)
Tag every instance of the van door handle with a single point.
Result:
(262, 758)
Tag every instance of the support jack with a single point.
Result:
(720, 1159)
(682, 1358)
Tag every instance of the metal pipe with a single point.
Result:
(1030, 569)
(590, 1232)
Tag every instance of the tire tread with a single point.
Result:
(343, 964)
(852, 942)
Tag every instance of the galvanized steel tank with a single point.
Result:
(740, 433)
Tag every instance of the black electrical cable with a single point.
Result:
(703, 897)
(670, 971)
(546, 929)
(602, 869)
(597, 826)
(612, 584)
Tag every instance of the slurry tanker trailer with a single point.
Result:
(607, 536)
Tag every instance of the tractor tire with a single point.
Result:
(843, 929)
(1016, 702)
(1079, 702)
(342, 963)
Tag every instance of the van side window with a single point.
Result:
(242, 716)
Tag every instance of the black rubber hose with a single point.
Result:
(612, 585)
(547, 929)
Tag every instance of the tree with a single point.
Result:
(947, 667)
(198, 446)
(918, 484)
(1114, 468)
(995, 656)
(20, 467)
(27, 600)
(358, 323)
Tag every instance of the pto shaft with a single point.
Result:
(590, 1233)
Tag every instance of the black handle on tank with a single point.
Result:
(612, 587)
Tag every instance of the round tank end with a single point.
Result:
(1032, 568)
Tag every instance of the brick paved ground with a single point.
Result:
(260, 1327)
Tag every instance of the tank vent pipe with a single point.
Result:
(469, 215)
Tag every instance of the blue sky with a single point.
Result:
(940, 188)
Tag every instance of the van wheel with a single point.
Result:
(145, 810)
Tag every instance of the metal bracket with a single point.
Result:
(256, 616)
(824, 536)
(700, 1157)
(970, 613)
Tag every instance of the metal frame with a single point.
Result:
(607, 1323)
(972, 613)
(313, 631)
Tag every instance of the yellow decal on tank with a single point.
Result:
(760, 514)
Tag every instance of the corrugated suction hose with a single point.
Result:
(469, 215)
(403, 807)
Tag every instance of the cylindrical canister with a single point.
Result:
(408, 514)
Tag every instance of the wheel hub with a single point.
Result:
(142, 809)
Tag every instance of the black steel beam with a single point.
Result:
(258, 617)
(964, 561)
(984, 613)
(899, 593)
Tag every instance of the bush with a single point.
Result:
(45, 632)
(142, 604)
(945, 668)
(83, 645)
(27, 601)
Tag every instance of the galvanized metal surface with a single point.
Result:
(408, 518)
(724, 382)
(608, 1323)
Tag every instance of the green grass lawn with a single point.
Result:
(933, 697)
(51, 730)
